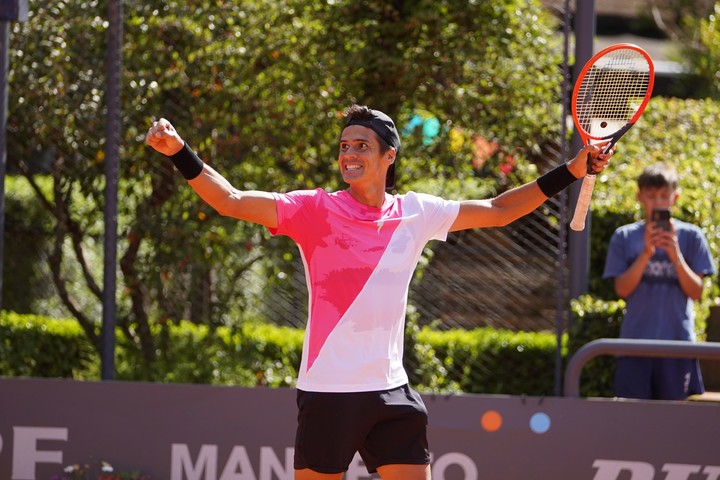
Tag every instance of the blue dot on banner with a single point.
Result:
(540, 423)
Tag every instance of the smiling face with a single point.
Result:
(361, 159)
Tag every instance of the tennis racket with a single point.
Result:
(610, 94)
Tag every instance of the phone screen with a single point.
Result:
(661, 217)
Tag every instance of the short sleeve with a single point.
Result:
(294, 211)
(439, 214)
(616, 261)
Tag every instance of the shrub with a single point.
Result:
(490, 361)
(592, 319)
(483, 360)
(65, 351)
(253, 354)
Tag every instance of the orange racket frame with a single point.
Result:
(631, 83)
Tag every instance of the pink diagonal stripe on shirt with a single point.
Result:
(338, 281)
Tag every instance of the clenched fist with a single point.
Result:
(163, 137)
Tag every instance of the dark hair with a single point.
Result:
(658, 175)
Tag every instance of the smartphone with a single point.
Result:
(661, 218)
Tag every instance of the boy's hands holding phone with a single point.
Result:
(661, 218)
(662, 234)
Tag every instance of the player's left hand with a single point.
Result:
(592, 155)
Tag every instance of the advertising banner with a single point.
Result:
(199, 432)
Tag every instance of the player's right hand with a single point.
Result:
(163, 137)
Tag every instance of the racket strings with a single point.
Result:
(612, 91)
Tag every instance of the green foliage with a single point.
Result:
(257, 89)
(186, 354)
(468, 65)
(27, 230)
(491, 361)
(683, 133)
(593, 319)
(65, 352)
(701, 54)
(252, 354)
(478, 361)
(426, 371)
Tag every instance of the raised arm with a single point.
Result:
(252, 206)
(519, 201)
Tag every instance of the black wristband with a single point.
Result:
(187, 162)
(556, 180)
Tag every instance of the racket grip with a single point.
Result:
(581, 207)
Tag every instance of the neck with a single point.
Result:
(372, 197)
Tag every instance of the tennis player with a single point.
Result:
(360, 247)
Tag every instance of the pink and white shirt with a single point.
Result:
(359, 261)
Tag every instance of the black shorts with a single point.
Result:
(386, 427)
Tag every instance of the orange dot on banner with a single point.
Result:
(491, 421)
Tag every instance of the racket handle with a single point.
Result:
(578, 221)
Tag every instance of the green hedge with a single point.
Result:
(254, 354)
(34, 346)
(37, 346)
(483, 360)
(593, 319)
(490, 361)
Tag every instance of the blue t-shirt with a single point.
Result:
(658, 309)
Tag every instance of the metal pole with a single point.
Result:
(4, 63)
(633, 348)
(560, 300)
(579, 242)
(112, 161)
(9, 10)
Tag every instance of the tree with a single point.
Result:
(257, 88)
(671, 16)
(693, 24)
(703, 52)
